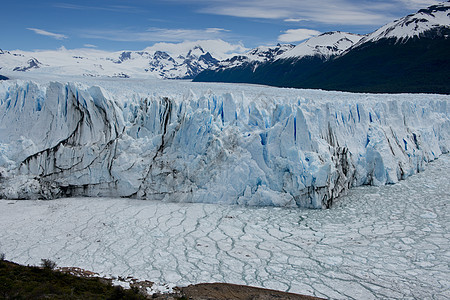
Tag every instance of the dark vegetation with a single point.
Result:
(48, 264)
(420, 65)
(281, 73)
(30, 282)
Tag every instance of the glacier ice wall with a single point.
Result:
(68, 139)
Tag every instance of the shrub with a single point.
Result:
(2, 256)
(48, 264)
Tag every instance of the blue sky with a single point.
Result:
(137, 24)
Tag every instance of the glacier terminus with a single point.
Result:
(210, 143)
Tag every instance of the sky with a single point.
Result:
(114, 25)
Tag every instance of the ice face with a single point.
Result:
(225, 144)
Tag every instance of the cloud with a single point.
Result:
(295, 20)
(57, 36)
(244, 11)
(155, 34)
(112, 8)
(342, 12)
(348, 12)
(89, 46)
(297, 35)
(419, 3)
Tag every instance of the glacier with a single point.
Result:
(210, 143)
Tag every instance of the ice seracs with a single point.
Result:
(256, 146)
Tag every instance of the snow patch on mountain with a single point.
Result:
(255, 56)
(219, 49)
(325, 45)
(201, 143)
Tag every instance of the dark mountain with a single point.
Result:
(419, 65)
(283, 63)
(408, 55)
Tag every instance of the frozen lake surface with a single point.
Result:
(377, 242)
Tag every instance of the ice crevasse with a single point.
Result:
(280, 148)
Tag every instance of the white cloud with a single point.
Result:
(244, 11)
(297, 35)
(345, 12)
(295, 20)
(57, 36)
(419, 3)
(112, 8)
(156, 34)
(216, 30)
(348, 12)
(89, 46)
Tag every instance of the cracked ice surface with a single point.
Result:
(377, 242)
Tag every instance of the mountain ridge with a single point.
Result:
(162, 60)
(406, 55)
(410, 56)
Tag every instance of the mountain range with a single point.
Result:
(163, 60)
(406, 55)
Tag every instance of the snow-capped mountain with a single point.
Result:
(182, 66)
(163, 60)
(407, 55)
(258, 65)
(255, 56)
(425, 23)
(326, 45)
